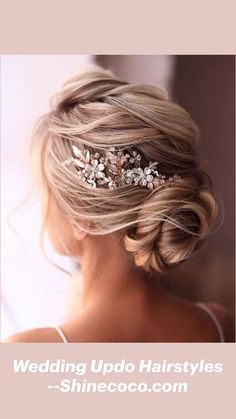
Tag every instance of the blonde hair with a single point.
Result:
(96, 110)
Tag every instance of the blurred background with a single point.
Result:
(33, 292)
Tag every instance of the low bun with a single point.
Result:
(173, 223)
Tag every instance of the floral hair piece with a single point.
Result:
(115, 168)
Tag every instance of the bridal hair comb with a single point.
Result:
(116, 168)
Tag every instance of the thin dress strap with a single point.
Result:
(60, 333)
(214, 318)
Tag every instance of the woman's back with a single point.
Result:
(172, 320)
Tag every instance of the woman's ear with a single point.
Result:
(79, 233)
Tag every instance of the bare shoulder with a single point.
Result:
(39, 335)
(196, 322)
(225, 319)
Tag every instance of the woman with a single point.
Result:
(123, 194)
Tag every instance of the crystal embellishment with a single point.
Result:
(114, 168)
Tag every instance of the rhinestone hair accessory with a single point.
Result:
(115, 168)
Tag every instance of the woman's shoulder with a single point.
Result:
(222, 317)
(192, 322)
(200, 321)
(37, 335)
(213, 322)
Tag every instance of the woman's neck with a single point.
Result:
(108, 273)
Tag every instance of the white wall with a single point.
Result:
(33, 292)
